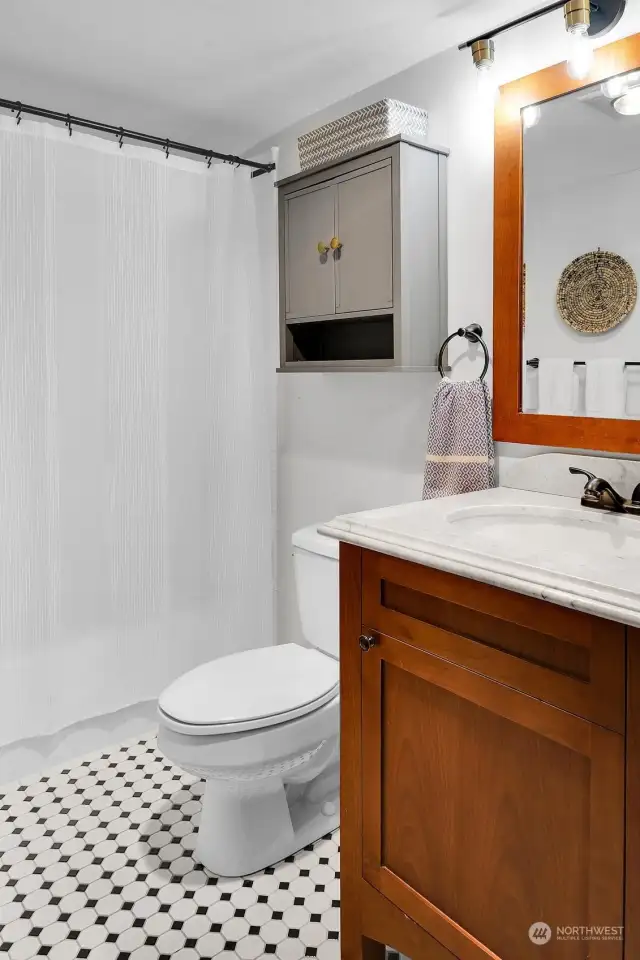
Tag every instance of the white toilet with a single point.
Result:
(261, 727)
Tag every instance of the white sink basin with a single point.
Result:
(518, 530)
(540, 544)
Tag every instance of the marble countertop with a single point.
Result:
(591, 562)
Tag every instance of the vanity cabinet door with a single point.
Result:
(310, 274)
(568, 659)
(486, 812)
(364, 224)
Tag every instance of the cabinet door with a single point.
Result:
(487, 813)
(310, 275)
(364, 264)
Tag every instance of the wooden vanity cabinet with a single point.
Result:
(490, 756)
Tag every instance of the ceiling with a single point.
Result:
(225, 73)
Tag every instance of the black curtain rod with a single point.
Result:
(121, 134)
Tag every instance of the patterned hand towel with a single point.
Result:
(460, 455)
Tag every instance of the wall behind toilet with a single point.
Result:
(354, 441)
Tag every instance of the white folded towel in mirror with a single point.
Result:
(605, 394)
(557, 386)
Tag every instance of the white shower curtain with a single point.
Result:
(137, 425)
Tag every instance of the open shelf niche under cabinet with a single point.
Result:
(363, 261)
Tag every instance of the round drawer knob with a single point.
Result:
(367, 641)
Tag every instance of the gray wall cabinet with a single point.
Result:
(363, 268)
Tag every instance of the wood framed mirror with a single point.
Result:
(567, 188)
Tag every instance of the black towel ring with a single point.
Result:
(472, 333)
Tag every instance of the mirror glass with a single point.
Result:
(581, 319)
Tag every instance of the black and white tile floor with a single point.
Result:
(97, 864)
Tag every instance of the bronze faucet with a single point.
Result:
(600, 495)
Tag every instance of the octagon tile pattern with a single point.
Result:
(97, 864)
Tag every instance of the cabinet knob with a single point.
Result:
(335, 244)
(367, 641)
(323, 248)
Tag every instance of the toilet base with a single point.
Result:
(246, 826)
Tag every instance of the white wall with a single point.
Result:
(115, 105)
(346, 442)
(351, 441)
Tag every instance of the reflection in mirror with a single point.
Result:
(581, 324)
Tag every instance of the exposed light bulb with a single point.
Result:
(580, 54)
(487, 82)
(530, 116)
(629, 103)
(614, 87)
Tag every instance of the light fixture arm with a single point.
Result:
(605, 14)
(527, 18)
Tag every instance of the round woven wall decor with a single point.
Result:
(596, 292)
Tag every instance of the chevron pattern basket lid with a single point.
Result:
(362, 128)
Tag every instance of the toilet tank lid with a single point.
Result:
(313, 542)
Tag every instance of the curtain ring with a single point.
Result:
(68, 124)
(167, 144)
(19, 114)
(121, 137)
(209, 161)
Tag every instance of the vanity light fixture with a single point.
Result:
(484, 54)
(584, 20)
(577, 16)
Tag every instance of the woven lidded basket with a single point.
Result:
(596, 292)
(362, 128)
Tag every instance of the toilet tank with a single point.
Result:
(315, 565)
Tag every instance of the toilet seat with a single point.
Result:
(250, 690)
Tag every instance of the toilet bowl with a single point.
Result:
(261, 728)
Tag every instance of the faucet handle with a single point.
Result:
(576, 471)
(598, 492)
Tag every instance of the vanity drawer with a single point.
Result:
(569, 659)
